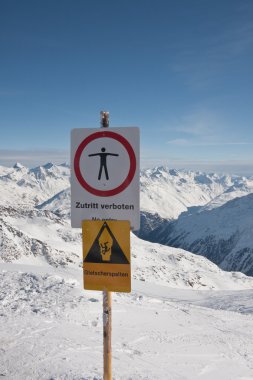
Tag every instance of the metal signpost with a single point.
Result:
(105, 203)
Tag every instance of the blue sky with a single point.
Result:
(180, 70)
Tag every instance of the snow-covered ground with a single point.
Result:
(52, 329)
(184, 319)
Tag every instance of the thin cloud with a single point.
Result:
(199, 123)
(232, 167)
(32, 158)
(178, 142)
(201, 127)
(206, 143)
(200, 65)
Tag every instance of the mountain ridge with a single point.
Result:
(171, 198)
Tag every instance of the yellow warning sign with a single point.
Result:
(106, 255)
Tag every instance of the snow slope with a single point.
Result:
(52, 330)
(59, 204)
(222, 234)
(38, 234)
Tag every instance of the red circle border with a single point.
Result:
(130, 175)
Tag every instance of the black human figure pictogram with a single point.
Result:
(103, 162)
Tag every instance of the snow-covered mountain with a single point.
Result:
(171, 201)
(168, 192)
(31, 233)
(222, 234)
(59, 204)
(41, 237)
(27, 187)
(208, 214)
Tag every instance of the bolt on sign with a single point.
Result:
(106, 255)
(105, 175)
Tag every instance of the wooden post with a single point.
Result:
(107, 332)
(104, 119)
(107, 300)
